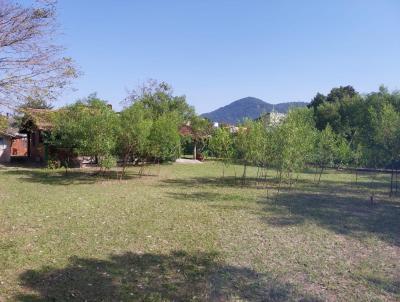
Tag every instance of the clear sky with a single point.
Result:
(217, 51)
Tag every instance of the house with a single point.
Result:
(36, 124)
(272, 118)
(5, 147)
(12, 144)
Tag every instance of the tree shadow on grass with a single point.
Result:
(177, 276)
(349, 215)
(209, 197)
(222, 182)
(72, 177)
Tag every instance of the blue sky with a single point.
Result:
(217, 51)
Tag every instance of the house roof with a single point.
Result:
(186, 130)
(11, 132)
(41, 118)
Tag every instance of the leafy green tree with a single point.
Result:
(387, 135)
(338, 94)
(344, 154)
(164, 144)
(87, 127)
(133, 133)
(328, 113)
(249, 144)
(319, 99)
(159, 99)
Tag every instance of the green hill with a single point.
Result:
(248, 107)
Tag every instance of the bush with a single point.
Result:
(107, 162)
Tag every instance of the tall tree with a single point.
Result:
(30, 63)
(159, 99)
(340, 93)
(316, 101)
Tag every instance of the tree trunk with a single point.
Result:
(391, 181)
(265, 177)
(356, 176)
(315, 174)
(244, 174)
(319, 179)
(280, 181)
(124, 166)
(195, 151)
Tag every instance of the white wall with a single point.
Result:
(5, 149)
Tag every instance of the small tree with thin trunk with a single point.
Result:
(221, 146)
(249, 144)
(325, 150)
(295, 138)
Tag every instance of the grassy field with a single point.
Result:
(188, 235)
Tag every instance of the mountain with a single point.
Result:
(249, 107)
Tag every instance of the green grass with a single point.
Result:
(188, 235)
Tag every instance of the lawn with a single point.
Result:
(189, 235)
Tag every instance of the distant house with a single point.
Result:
(272, 118)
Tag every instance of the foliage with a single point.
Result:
(297, 138)
(35, 103)
(88, 126)
(3, 123)
(367, 122)
(387, 133)
(107, 162)
(164, 139)
(134, 131)
(249, 142)
(159, 99)
(221, 146)
(325, 147)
